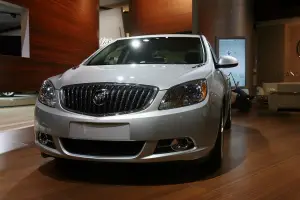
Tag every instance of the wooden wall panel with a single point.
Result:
(270, 45)
(278, 60)
(62, 32)
(23, 74)
(292, 59)
(161, 16)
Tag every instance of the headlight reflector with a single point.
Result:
(185, 94)
(47, 94)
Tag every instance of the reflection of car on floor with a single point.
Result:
(7, 94)
(141, 99)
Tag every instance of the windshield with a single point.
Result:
(161, 50)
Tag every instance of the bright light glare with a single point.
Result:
(136, 44)
(120, 78)
(146, 40)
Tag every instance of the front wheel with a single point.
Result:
(216, 155)
(228, 122)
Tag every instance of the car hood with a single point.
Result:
(161, 76)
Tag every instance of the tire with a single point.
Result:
(62, 163)
(216, 155)
(44, 155)
(228, 122)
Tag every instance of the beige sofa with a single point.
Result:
(283, 95)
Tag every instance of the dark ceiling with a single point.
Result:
(276, 9)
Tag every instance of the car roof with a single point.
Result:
(161, 35)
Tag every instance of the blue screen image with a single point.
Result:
(237, 49)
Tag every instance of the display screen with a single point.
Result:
(237, 49)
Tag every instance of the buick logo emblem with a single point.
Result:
(100, 97)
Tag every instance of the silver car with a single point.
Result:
(141, 99)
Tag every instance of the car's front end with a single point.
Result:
(145, 115)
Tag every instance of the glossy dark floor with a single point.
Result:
(261, 162)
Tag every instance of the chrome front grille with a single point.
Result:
(102, 99)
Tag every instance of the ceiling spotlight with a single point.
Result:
(136, 44)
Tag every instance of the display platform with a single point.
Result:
(16, 127)
(18, 100)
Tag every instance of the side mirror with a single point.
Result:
(227, 62)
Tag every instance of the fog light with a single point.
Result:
(182, 144)
(174, 145)
(45, 139)
(42, 138)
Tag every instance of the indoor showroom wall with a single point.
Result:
(111, 25)
(277, 56)
(270, 45)
(173, 16)
(48, 57)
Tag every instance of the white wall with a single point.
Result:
(25, 34)
(111, 24)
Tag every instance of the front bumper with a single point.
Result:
(150, 125)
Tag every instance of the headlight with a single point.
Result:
(47, 94)
(185, 94)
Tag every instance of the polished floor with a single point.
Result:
(261, 162)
